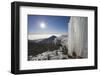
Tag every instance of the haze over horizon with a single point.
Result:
(41, 36)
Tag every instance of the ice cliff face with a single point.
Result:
(77, 36)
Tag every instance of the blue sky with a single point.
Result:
(53, 24)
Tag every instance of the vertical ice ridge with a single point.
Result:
(77, 36)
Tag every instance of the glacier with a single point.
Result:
(77, 36)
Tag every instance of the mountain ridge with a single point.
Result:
(46, 40)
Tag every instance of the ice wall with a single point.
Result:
(77, 36)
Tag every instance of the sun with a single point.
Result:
(42, 25)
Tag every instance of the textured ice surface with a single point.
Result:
(77, 36)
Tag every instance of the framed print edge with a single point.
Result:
(96, 37)
(15, 37)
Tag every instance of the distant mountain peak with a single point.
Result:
(49, 40)
(53, 37)
(46, 40)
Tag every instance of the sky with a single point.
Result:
(44, 24)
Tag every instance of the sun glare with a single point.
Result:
(43, 25)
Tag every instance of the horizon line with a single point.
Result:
(47, 33)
